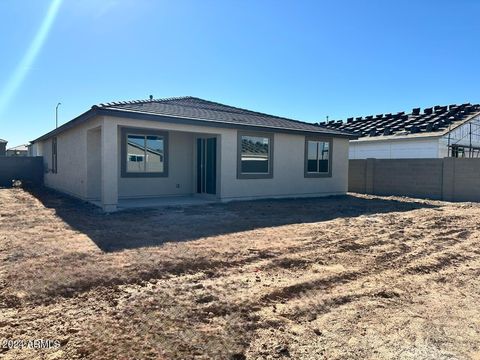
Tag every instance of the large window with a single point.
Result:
(318, 156)
(255, 155)
(144, 153)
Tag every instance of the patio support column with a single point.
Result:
(109, 155)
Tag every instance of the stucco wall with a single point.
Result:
(395, 149)
(80, 170)
(288, 174)
(71, 176)
(180, 171)
(288, 171)
(94, 164)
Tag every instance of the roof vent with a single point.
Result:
(151, 97)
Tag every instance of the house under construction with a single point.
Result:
(435, 132)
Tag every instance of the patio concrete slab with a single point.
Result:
(162, 202)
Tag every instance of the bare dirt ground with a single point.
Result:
(354, 277)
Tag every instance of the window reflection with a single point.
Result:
(318, 156)
(145, 153)
(255, 155)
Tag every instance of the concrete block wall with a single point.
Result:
(357, 170)
(449, 179)
(25, 168)
(461, 180)
(418, 178)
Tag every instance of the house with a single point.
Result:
(437, 132)
(190, 148)
(20, 150)
(3, 146)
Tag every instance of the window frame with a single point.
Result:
(269, 174)
(125, 131)
(54, 155)
(328, 140)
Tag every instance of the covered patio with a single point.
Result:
(137, 167)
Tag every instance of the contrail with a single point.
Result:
(28, 59)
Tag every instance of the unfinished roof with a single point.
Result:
(431, 121)
(195, 111)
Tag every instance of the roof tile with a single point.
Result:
(196, 108)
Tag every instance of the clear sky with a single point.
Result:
(300, 59)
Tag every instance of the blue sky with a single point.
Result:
(300, 59)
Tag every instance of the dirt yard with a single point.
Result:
(355, 277)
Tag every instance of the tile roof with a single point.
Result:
(433, 120)
(198, 109)
(254, 148)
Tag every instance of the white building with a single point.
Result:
(441, 131)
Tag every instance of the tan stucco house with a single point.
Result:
(191, 149)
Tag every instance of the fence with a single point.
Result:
(28, 169)
(450, 179)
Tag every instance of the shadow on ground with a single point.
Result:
(152, 227)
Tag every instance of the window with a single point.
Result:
(318, 157)
(54, 155)
(135, 158)
(458, 151)
(144, 153)
(255, 156)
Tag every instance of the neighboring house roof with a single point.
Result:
(18, 148)
(251, 148)
(197, 111)
(155, 152)
(434, 121)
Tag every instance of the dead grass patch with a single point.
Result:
(347, 277)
